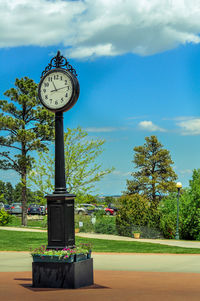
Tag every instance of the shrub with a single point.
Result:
(133, 210)
(5, 217)
(87, 223)
(105, 225)
(168, 213)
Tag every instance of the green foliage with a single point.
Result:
(87, 223)
(4, 217)
(27, 123)
(105, 225)
(7, 192)
(133, 210)
(83, 198)
(26, 126)
(109, 200)
(168, 215)
(155, 176)
(80, 168)
(64, 253)
(189, 212)
(44, 222)
(190, 209)
(17, 194)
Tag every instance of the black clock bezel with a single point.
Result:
(75, 92)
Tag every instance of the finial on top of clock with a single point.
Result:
(59, 61)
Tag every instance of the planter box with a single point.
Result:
(80, 257)
(89, 255)
(62, 275)
(47, 258)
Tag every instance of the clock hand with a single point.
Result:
(54, 87)
(60, 89)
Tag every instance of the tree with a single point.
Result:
(190, 209)
(9, 193)
(85, 198)
(109, 200)
(6, 190)
(80, 168)
(17, 194)
(155, 176)
(26, 126)
(2, 187)
(168, 215)
(133, 211)
(189, 213)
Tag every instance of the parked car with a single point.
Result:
(34, 209)
(85, 209)
(100, 207)
(111, 210)
(7, 207)
(16, 208)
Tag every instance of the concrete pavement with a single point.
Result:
(21, 261)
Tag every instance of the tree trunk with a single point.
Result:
(24, 200)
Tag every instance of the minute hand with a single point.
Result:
(60, 88)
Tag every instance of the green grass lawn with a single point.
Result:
(24, 241)
(16, 221)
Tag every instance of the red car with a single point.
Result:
(111, 210)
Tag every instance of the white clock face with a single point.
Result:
(56, 90)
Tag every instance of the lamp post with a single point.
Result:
(178, 186)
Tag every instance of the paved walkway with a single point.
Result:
(21, 261)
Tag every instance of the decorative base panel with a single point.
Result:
(62, 275)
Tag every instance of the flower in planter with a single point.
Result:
(66, 254)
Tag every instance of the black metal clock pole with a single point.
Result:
(60, 183)
(60, 204)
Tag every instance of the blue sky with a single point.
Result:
(138, 67)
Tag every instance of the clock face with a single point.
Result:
(56, 89)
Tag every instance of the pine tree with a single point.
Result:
(26, 126)
(155, 176)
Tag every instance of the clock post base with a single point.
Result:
(62, 275)
(60, 208)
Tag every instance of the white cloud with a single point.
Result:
(150, 126)
(186, 171)
(121, 173)
(181, 118)
(190, 127)
(100, 130)
(100, 27)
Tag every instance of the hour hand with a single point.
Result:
(54, 87)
